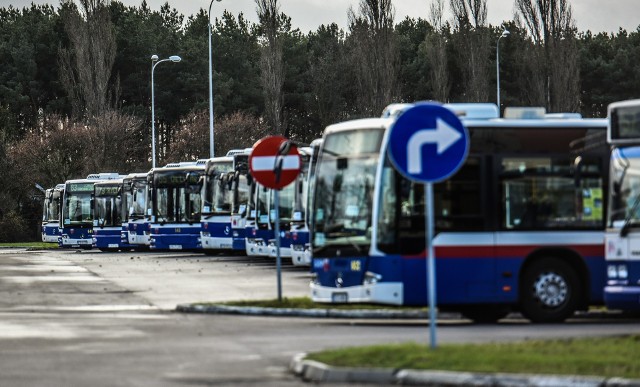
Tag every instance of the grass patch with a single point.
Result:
(31, 245)
(608, 357)
(306, 303)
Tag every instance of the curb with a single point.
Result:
(318, 313)
(316, 372)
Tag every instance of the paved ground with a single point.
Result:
(80, 319)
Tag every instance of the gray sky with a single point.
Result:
(595, 15)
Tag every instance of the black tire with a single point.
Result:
(485, 314)
(550, 291)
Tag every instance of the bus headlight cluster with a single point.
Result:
(205, 234)
(371, 278)
(617, 271)
(297, 247)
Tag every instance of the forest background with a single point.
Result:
(75, 80)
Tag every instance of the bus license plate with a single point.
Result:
(175, 247)
(339, 297)
(113, 245)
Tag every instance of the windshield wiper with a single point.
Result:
(627, 221)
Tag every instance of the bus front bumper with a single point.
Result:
(622, 297)
(216, 243)
(390, 293)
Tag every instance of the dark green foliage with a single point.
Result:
(320, 81)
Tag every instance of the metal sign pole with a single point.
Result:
(431, 264)
(276, 193)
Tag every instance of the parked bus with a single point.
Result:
(136, 230)
(300, 231)
(622, 238)
(217, 197)
(241, 203)
(258, 227)
(291, 211)
(107, 210)
(519, 227)
(175, 206)
(76, 222)
(51, 214)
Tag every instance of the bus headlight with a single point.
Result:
(205, 234)
(371, 278)
(622, 272)
(297, 247)
(619, 271)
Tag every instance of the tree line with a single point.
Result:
(75, 92)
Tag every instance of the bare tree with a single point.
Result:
(552, 29)
(473, 47)
(235, 131)
(374, 54)
(435, 45)
(87, 63)
(271, 62)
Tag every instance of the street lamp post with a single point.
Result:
(505, 33)
(211, 152)
(154, 63)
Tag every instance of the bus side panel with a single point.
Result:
(597, 268)
(461, 278)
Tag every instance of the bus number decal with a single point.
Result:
(356, 265)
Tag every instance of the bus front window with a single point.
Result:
(346, 173)
(624, 207)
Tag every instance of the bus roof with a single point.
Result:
(108, 182)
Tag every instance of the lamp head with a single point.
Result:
(154, 58)
(505, 33)
(175, 58)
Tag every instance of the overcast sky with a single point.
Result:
(594, 15)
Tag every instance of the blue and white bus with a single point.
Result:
(217, 196)
(258, 227)
(519, 227)
(622, 244)
(76, 221)
(176, 205)
(136, 229)
(241, 200)
(291, 211)
(51, 214)
(300, 231)
(107, 221)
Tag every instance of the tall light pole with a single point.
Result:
(154, 63)
(211, 152)
(505, 33)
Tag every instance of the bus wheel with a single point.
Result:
(485, 314)
(550, 291)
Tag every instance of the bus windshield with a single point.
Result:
(178, 197)
(77, 208)
(218, 195)
(241, 195)
(137, 201)
(262, 205)
(625, 188)
(345, 177)
(51, 211)
(107, 205)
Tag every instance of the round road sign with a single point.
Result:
(272, 164)
(428, 143)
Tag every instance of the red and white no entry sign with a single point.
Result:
(269, 167)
